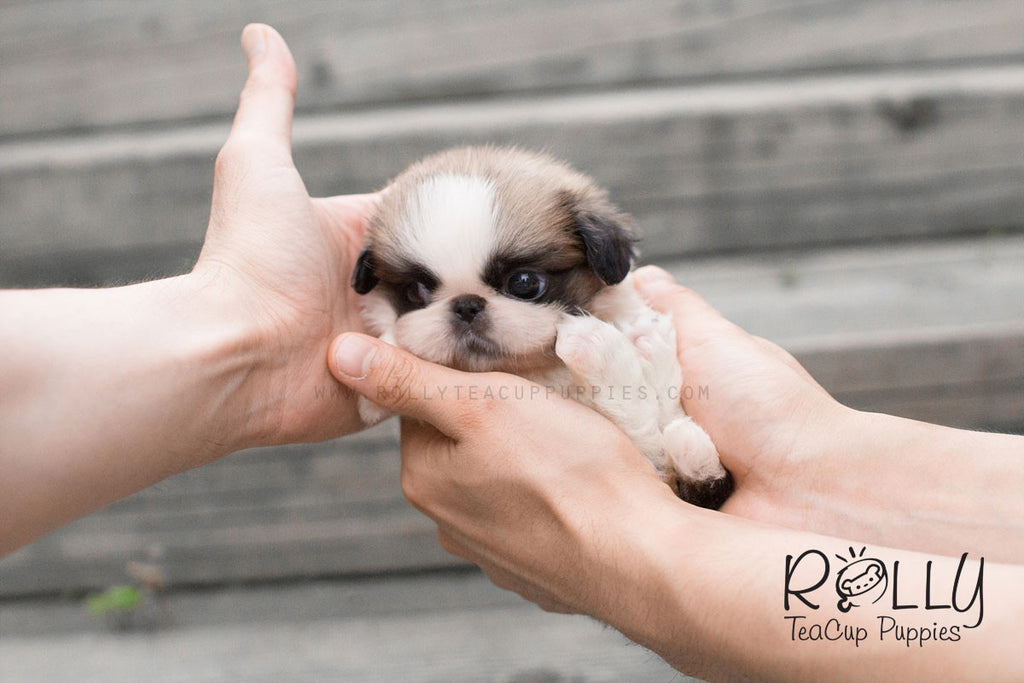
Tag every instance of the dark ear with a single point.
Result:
(363, 277)
(608, 241)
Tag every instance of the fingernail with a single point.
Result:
(353, 356)
(254, 40)
(650, 275)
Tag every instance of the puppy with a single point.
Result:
(484, 258)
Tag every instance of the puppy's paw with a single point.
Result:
(371, 413)
(702, 480)
(690, 450)
(654, 337)
(595, 352)
(710, 493)
(607, 375)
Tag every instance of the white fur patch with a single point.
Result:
(451, 226)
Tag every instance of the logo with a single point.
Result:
(911, 602)
(860, 582)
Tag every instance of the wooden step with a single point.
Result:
(930, 332)
(72, 65)
(933, 331)
(436, 627)
(716, 168)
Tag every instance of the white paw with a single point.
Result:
(608, 375)
(586, 345)
(691, 452)
(653, 336)
(371, 413)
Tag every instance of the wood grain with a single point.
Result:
(72, 65)
(704, 169)
(931, 332)
(415, 629)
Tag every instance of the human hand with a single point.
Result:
(283, 257)
(801, 459)
(554, 503)
(772, 423)
(528, 485)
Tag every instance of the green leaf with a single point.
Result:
(114, 599)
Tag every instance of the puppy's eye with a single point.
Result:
(526, 284)
(417, 293)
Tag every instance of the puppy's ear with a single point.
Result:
(607, 239)
(363, 277)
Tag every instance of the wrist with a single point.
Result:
(224, 345)
(834, 484)
(633, 577)
(901, 483)
(659, 591)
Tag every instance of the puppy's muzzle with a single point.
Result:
(467, 307)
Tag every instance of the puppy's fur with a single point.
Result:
(485, 258)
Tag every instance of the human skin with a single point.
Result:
(107, 391)
(553, 502)
(803, 460)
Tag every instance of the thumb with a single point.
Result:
(268, 98)
(695, 320)
(398, 380)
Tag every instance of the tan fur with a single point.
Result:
(534, 190)
(465, 223)
(536, 196)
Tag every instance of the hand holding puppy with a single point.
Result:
(284, 256)
(803, 460)
(520, 481)
(770, 420)
(555, 503)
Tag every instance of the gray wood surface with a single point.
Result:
(704, 168)
(845, 177)
(933, 332)
(76, 65)
(449, 628)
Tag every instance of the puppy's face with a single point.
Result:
(476, 253)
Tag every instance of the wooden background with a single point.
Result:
(845, 177)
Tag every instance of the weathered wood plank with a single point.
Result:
(294, 526)
(218, 544)
(934, 332)
(997, 407)
(95, 267)
(816, 299)
(429, 629)
(71, 64)
(302, 529)
(707, 168)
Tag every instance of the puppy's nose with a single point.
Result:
(468, 306)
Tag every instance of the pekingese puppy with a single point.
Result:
(484, 258)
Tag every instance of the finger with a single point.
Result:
(453, 544)
(401, 382)
(347, 213)
(268, 98)
(343, 202)
(695, 320)
(421, 446)
(508, 581)
(785, 357)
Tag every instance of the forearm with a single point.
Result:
(108, 391)
(909, 484)
(710, 600)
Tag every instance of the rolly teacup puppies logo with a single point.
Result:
(888, 589)
(861, 582)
